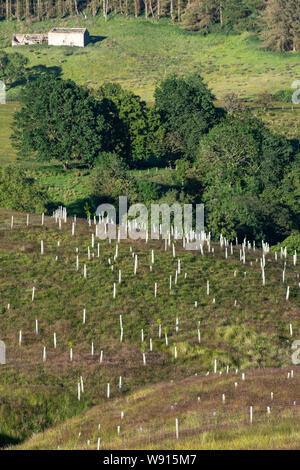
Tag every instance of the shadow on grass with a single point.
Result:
(33, 73)
(78, 207)
(6, 440)
(75, 208)
(95, 39)
(39, 70)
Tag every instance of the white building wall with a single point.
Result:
(65, 39)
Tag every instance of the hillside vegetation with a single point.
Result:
(146, 419)
(242, 324)
(138, 54)
(112, 343)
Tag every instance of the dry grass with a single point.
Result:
(149, 416)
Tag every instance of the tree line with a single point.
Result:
(277, 21)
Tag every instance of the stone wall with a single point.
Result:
(67, 38)
(24, 39)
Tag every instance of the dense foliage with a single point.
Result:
(243, 166)
(202, 15)
(187, 112)
(138, 133)
(247, 176)
(112, 180)
(21, 193)
(12, 67)
(291, 243)
(61, 120)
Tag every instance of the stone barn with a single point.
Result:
(68, 37)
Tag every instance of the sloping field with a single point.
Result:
(213, 412)
(237, 321)
(139, 53)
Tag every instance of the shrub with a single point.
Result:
(148, 190)
(20, 193)
(106, 160)
(107, 184)
(291, 243)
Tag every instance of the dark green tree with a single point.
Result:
(138, 128)
(60, 120)
(290, 191)
(187, 112)
(3, 64)
(241, 14)
(243, 165)
(12, 67)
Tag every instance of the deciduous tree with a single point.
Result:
(187, 112)
(60, 120)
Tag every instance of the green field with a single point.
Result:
(7, 152)
(138, 54)
(242, 325)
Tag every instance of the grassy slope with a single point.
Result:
(7, 152)
(254, 333)
(150, 413)
(139, 54)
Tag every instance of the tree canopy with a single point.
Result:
(60, 120)
(12, 67)
(138, 127)
(243, 165)
(281, 25)
(247, 176)
(186, 111)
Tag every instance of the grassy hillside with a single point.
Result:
(242, 324)
(7, 152)
(239, 323)
(138, 53)
(205, 421)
